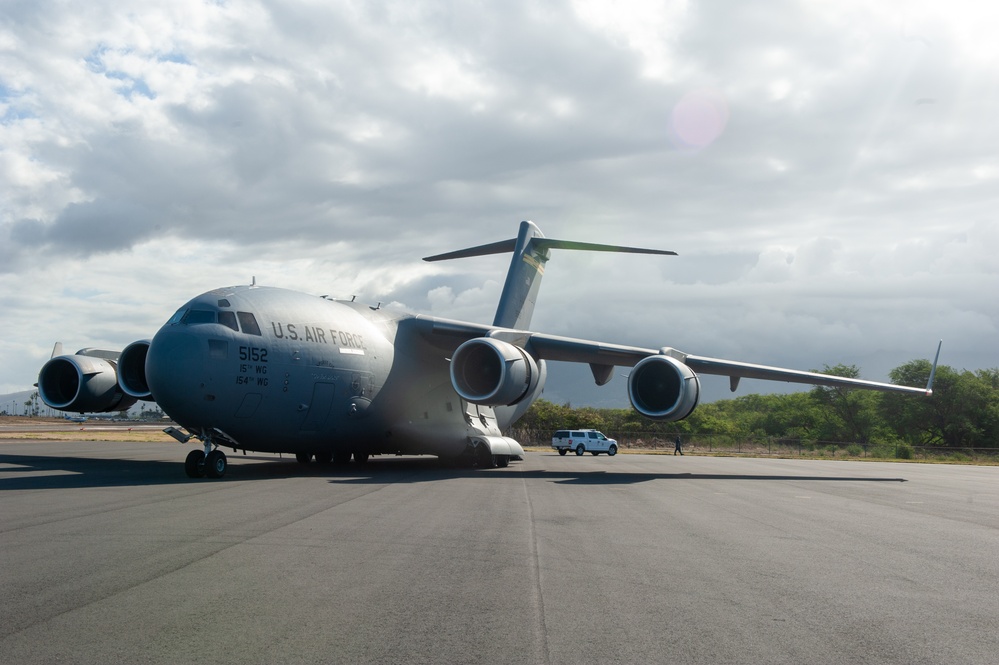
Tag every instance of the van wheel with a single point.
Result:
(612, 451)
(563, 451)
(580, 450)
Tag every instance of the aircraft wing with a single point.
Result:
(603, 357)
(550, 347)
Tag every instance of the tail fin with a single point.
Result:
(527, 267)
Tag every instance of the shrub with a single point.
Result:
(854, 450)
(904, 451)
(882, 450)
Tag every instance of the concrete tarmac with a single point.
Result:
(109, 554)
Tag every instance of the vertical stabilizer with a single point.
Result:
(523, 279)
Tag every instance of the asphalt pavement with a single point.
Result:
(109, 554)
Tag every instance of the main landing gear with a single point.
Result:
(484, 458)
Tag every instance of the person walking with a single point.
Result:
(679, 446)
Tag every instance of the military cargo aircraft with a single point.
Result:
(263, 369)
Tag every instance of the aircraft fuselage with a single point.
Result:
(282, 371)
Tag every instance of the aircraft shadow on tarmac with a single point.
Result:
(410, 470)
(34, 472)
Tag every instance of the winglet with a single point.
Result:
(56, 350)
(933, 372)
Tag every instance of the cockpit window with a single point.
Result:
(176, 318)
(249, 323)
(228, 319)
(196, 316)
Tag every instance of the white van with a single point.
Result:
(583, 441)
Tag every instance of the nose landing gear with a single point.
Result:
(207, 462)
(199, 465)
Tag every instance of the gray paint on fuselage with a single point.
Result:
(313, 381)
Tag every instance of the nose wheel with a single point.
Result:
(199, 465)
(215, 464)
(194, 465)
(206, 462)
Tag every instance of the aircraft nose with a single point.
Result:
(177, 377)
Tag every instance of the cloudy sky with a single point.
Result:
(827, 170)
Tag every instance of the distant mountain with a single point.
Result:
(12, 404)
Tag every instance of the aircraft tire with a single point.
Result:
(303, 458)
(563, 451)
(361, 458)
(216, 464)
(341, 458)
(484, 459)
(194, 465)
(502, 461)
(580, 450)
(612, 451)
(324, 458)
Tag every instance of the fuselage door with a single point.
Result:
(319, 408)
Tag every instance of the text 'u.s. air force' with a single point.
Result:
(317, 335)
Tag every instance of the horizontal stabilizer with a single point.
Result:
(506, 246)
(551, 243)
(501, 247)
(530, 251)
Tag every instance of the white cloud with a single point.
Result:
(648, 27)
(829, 178)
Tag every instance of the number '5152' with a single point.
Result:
(253, 354)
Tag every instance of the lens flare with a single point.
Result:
(698, 119)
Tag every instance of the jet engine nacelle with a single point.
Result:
(663, 388)
(132, 370)
(493, 373)
(82, 383)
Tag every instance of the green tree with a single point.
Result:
(963, 412)
(31, 406)
(846, 414)
(960, 413)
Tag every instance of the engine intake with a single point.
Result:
(493, 373)
(81, 383)
(663, 388)
(132, 370)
